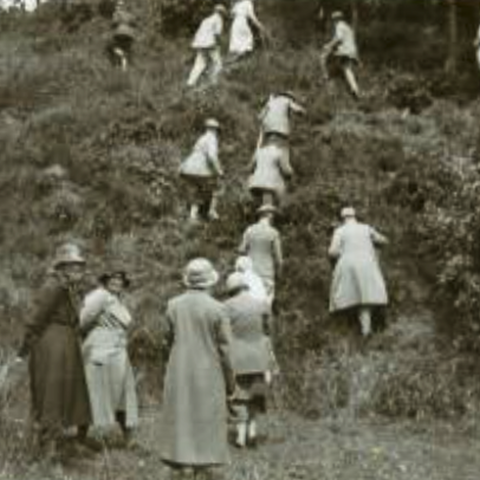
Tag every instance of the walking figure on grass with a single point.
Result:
(121, 46)
(198, 378)
(242, 40)
(206, 44)
(343, 48)
(202, 171)
(251, 355)
(357, 281)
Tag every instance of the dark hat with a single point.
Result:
(264, 209)
(288, 93)
(119, 273)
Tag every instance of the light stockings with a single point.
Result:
(365, 317)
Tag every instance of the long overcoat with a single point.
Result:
(57, 378)
(194, 415)
(357, 278)
(110, 379)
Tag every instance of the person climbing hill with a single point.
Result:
(206, 44)
(357, 279)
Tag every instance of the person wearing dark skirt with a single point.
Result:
(57, 379)
(251, 356)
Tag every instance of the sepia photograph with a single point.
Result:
(239, 239)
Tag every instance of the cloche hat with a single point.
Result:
(212, 123)
(200, 274)
(235, 282)
(348, 212)
(338, 15)
(220, 9)
(115, 272)
(68, 253)
(264, 209)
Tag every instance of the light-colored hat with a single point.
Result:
(67, 254)
(235, 282)
(221, 9)
(348, 212)
(200, 274)
(212, 123)
(338, 15)
(243, 264)
(266, 209)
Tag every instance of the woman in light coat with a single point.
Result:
(242, 41)
(251, 356)
(357, 279)
(105, 320)
(199, 377)
(201, 171)
(271, 169)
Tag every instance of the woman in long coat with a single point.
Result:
(111, 384)
(242, 41)
(357, 279)
(250, 354)
(57, 379)
(271, 168)
(198, 375)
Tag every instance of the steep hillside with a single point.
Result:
(91, 154)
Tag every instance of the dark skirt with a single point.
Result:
(252, 391)
(200, 190)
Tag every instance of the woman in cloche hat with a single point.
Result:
(59, 391)
(106, 321)
(198, 378)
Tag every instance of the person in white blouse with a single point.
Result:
(242, 41)
(206, 43)
(343, 47)
(105, 322)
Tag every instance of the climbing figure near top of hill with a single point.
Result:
(251, 356)
(271, 168)
(206, 44)
(357, 279)
(242, 40)
(262, 243)
(343, 47)
(121, 46)
(202, 171)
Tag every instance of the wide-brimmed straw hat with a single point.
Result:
(236, 282)
(115, 272)
(200, 274)
(212, 123)
(338, 15)
(348, 212)
(267, 209)
(68, 254)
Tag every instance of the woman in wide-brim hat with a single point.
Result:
(58, 388)
(106, 321)
(196, 333)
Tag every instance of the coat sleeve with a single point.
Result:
(93, 306)
(243, 248)
(285, 166)
(223, 337)
(167, 334)
(212, 158)
(335, 249)
(48, 300)
(377, 238)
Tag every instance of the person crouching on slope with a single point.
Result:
(202, 171)
(206, 44)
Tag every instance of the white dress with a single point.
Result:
(241, 38)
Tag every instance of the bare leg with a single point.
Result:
(199, 66)
(216, 65)
(351, 80)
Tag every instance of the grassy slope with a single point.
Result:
(119, 139)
